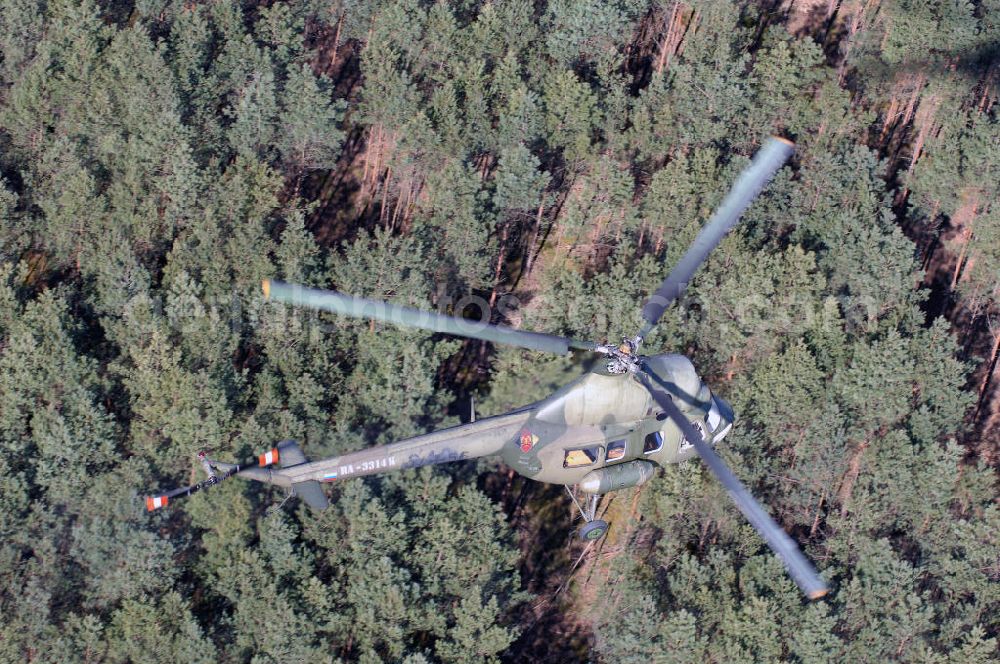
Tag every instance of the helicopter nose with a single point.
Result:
(725, 415)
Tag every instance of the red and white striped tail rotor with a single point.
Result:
(268, 458)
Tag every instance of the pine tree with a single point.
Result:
(307, 131)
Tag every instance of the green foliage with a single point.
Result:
(440, 583)
(307, 129)
(146, 631)
(787, 65)
(571, 114)
(52, 424)
(159, 158)
(519, 185)
(457, 220)
(585, 30)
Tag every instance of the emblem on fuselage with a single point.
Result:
(528, 440)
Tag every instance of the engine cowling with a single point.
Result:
(619, 476)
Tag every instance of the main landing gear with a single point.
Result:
(593, 529)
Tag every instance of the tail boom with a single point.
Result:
(484, 437)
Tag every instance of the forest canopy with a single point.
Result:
(159, 158)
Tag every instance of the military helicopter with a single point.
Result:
(605, 431)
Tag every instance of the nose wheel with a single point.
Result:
(593, 529)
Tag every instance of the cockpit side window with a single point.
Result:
(582, 457)
(652, 443)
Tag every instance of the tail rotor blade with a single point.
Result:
(359, 307)
(800, 569)
(766, 163)
(154, 503)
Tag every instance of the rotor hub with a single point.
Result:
(622, 358)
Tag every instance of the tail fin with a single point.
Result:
(309, 491)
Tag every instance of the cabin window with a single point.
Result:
(616, 450)
(652, 443)
(583, 457)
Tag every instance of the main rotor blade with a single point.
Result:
(359, 307)
(766, 163)
(800, 569)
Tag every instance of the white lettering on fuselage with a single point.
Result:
(367, 466)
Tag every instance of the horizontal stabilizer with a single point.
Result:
(312, 493)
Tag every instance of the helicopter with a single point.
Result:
(605, 431)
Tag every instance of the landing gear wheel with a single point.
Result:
(594, 530)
